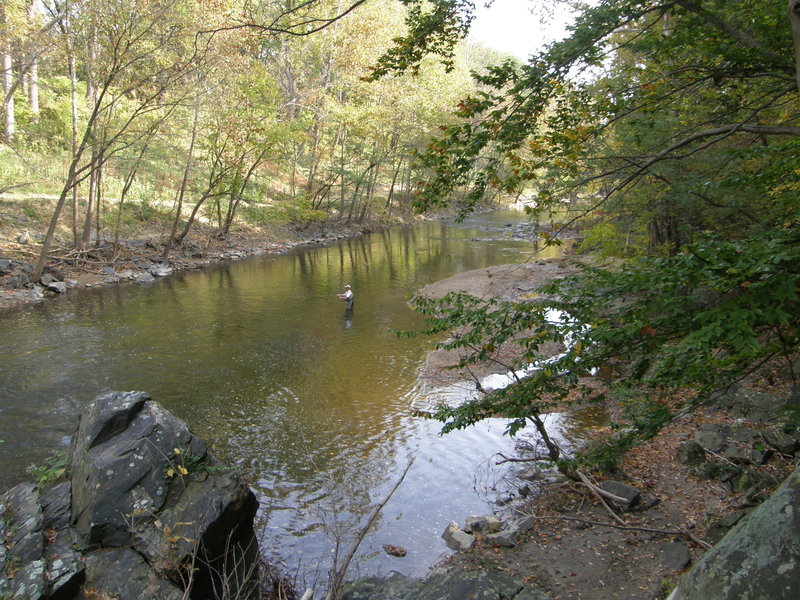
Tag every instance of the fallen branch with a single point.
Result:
(520, 460)
(338, 577)
(682, 531)
(599, 493)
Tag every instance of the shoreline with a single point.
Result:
(140, 259)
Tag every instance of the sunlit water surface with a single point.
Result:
(259, 358)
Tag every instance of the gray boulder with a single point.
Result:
(475, 585)
(394, 587)
(780, 441)
(691, 453)
(629, 494)
(40, 549)
(505, 539)
(483, 524)
(59, 287)
(456, 539)
(713, 437)
(18, 281)
(145, 277)
(454, 584)
(758, 559)
(675, 556)
(141, 479)
(160, 270)
(123, 574)
(754, 406)
(146, 509)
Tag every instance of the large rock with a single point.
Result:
(125, 450)
(123, 574)
(483, 524)
(141, 479)
(455, 584)
(691, 453)
(629, 495)
(758, 560)
(146, 513)
(754, 406)
(475, 585)
(456, 539)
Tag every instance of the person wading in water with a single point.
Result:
(348, 299)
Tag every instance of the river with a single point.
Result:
(257, 355)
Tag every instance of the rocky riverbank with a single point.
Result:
(140, 260)
(703, 476)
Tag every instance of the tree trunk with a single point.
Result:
(182, 191)
(98, 192)
(74, 101)
(9, 124)
(87, 220)
(33, 72)
(794, 18)
(33, 87)
(91, 87)
(390, 195)
(124, 193)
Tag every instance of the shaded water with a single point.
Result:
(258, 357)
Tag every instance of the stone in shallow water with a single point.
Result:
(457, 539)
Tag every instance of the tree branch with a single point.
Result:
(742, 37)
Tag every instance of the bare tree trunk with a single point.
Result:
(390, 195)
(794, 18)
(33, 87)
(98, 192)
(74, 101)
(236, 197)
(87, 220)
(124, 193)
(33, 70)
(9, 124)
(184, 182)
(91, 87)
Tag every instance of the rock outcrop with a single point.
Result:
(147, 512)
(758, 559)
(451, 585)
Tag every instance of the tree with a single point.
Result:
(680, 121)
(142, 55)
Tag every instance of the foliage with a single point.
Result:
(53, 469)
(434, 26)
(697, 320)
(673, 128)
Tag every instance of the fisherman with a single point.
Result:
(347, 296)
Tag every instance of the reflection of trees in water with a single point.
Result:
(582, 424)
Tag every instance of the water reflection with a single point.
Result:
(314, 406)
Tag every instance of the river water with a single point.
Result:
(258, 357)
